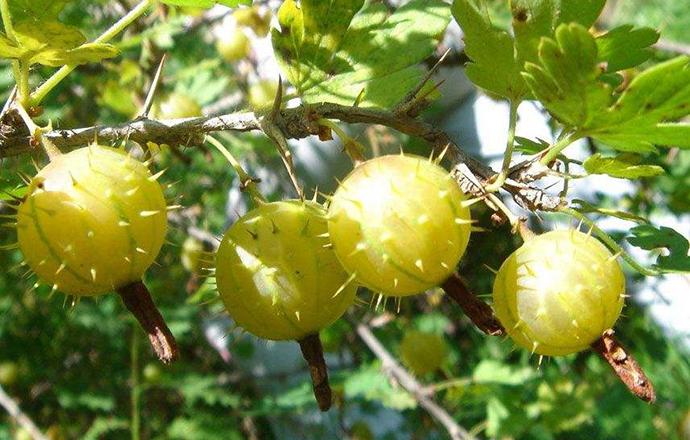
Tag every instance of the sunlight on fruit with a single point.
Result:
(93, 220)
(277, 276)
(399, 224)
(557, 293)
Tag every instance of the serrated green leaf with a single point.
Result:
(586, 208)
(649, 237)
(625, 47)
(337, 51)
(623, 166)
(584, 12)
(205, 4)
(565, 80)
(492, 51)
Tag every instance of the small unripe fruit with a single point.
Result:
(559, 292)
(262, 94)
(233, 46)
(254, 19)
(277, 275)
(92, 221)
(176, 106)
(423, 352)
(9, 371)
(399, 223)
(151, 373)
(192, 251)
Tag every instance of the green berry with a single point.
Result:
(234, 46)
(9, 372)
(277, 275)
(192, 252)
(399, 224)
(176, 106)
(559, 292)
(262, 94)
(423, 352)
(93, 220)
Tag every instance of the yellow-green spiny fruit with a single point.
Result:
(400, 224)
(559, 292)
(277, 275)
(423, 352)
(92, 221)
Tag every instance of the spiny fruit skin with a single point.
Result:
(277, 275)
(399, 224)
(93, 220)
(559, 292)
(423, 352)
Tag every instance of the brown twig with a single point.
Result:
(138, 301)
(312, 350)
(17, 414)
(625, 366)
(400, 375)
(477, 310)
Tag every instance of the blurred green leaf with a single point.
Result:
(490, 371)
(207, 3)
(369, 383)
(625, 47)
(333, 51)
(586, 207)
(649, 237)
(623, 166)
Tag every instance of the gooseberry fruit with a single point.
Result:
(233, 46)
(93, 221)
(399, 224)
(276, 275)
(9, 371)
(262, 94)
(423, 352)
(559, 292)
(279, 279)
(192, 253)
(176, 106)
(254, 19)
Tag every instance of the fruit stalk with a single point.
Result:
(312, 350)
(477, 310)
(625, 366)
(138, 301)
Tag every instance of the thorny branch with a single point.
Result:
(295, 123)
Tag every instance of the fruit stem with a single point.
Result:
(40, 93)
(625, 366)
(247, 182)
(312, 350)
(138, 301)
(37, 133)
(352, 148)
(508, 155)
(477, 310)
(553, 151)
(611, 243)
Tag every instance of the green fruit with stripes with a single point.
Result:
(277, 274)
(93, 220)
(559, 292)
(400, 224)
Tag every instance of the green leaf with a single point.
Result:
(567, 80)
(584, 12)
(623, 166)
(52, 43)
(585, 208)
(369, 383)
(336, 51)
(206, 3)
(492, 51)
(494, 372)
(624, 47)
(649, 237)
(38, 10)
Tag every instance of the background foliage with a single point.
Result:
(84, 370)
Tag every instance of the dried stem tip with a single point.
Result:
(625, 366)
(138, 301)
(313, 354)
(477, 310)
